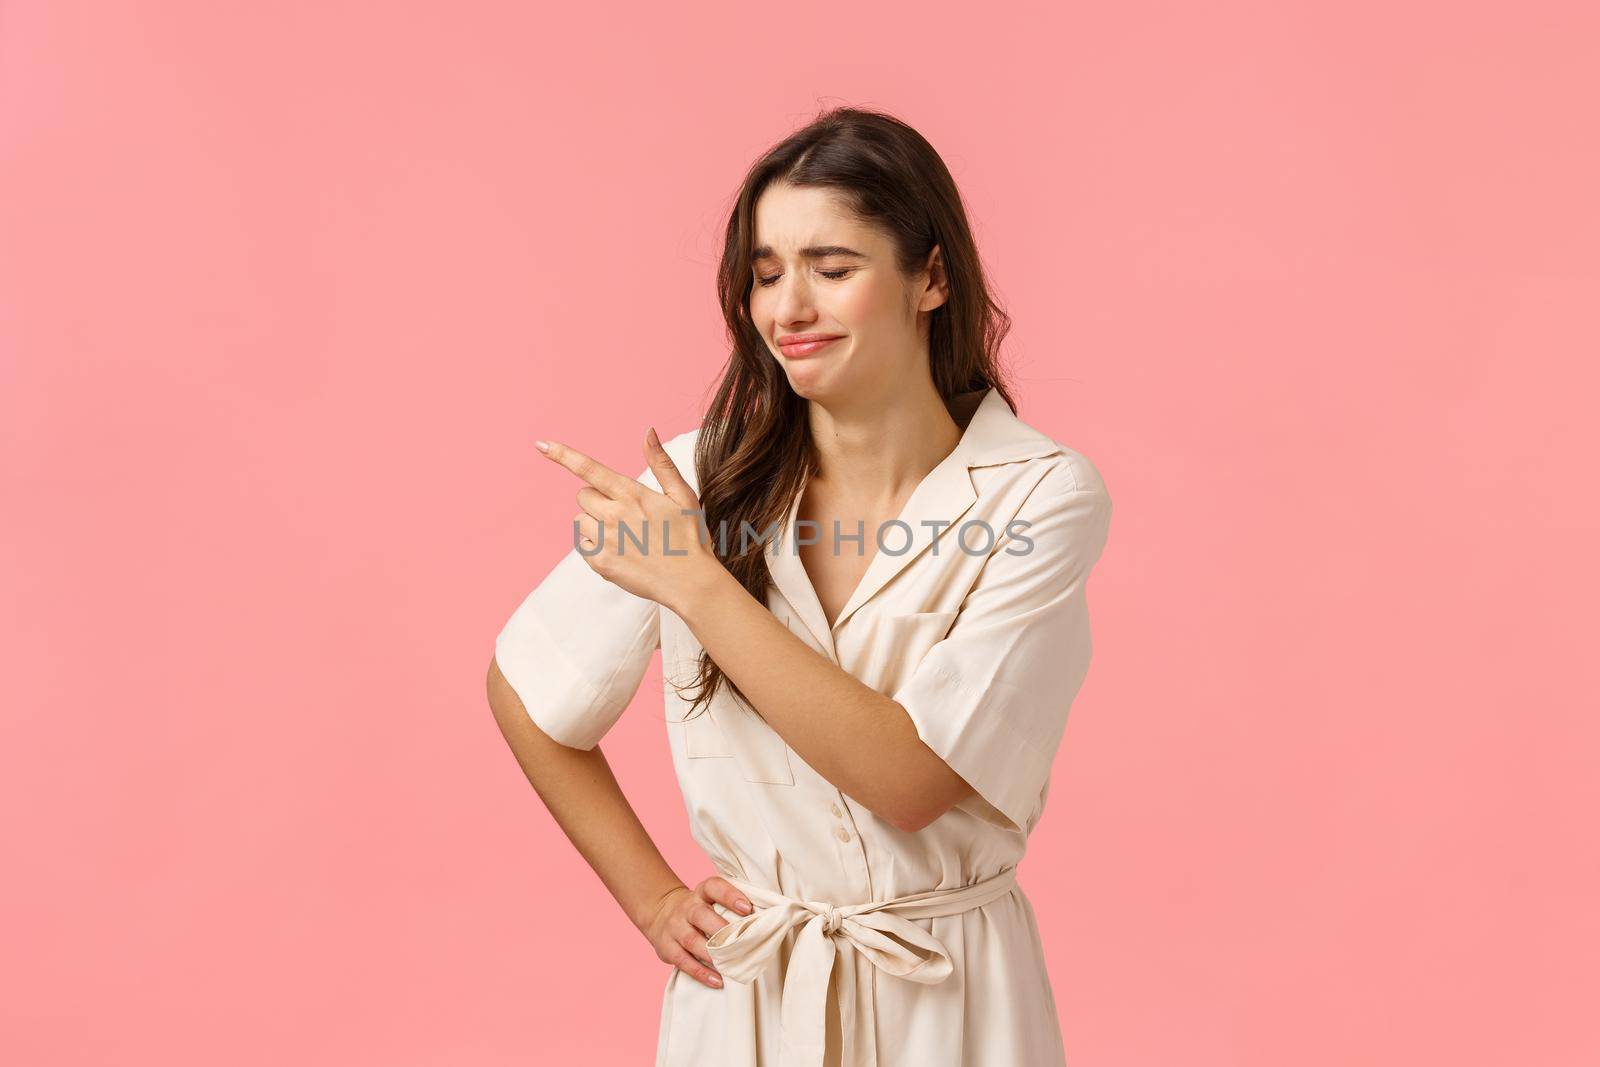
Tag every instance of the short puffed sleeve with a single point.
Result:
(991, 698)
(578, 646)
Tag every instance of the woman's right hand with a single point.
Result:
(684, 919)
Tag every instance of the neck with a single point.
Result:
(878, 449)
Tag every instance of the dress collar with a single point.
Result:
(993, 435)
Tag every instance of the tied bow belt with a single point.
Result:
(877, 933)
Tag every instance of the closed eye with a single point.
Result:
(832, 275)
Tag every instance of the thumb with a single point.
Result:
(672, 481)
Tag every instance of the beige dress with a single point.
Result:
(869, 946)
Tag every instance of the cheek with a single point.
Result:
(864, 305)
(760, 308)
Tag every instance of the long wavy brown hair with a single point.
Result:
(755, 444)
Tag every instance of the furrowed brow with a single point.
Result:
(809, 252)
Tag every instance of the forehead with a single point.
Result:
(789, 217)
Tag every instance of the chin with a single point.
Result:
(811, 380)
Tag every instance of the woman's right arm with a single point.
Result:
(583, 795)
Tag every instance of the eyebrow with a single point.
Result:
(761, 252)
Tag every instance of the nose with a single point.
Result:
(794, 306)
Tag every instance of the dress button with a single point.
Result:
(842, 834)
(835, 809)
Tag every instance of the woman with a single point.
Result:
(862, 706)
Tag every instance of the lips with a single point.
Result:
(804, 344)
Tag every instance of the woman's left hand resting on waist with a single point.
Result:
(651, 544)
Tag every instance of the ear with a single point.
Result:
(938, 282)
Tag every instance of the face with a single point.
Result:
(818, 271)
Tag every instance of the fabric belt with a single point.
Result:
(877, 934)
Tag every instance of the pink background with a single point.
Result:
(288, 290)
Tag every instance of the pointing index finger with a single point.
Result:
(597, 474)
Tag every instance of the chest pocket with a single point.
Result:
(727, 728)
(898, 644)
(702, 738)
